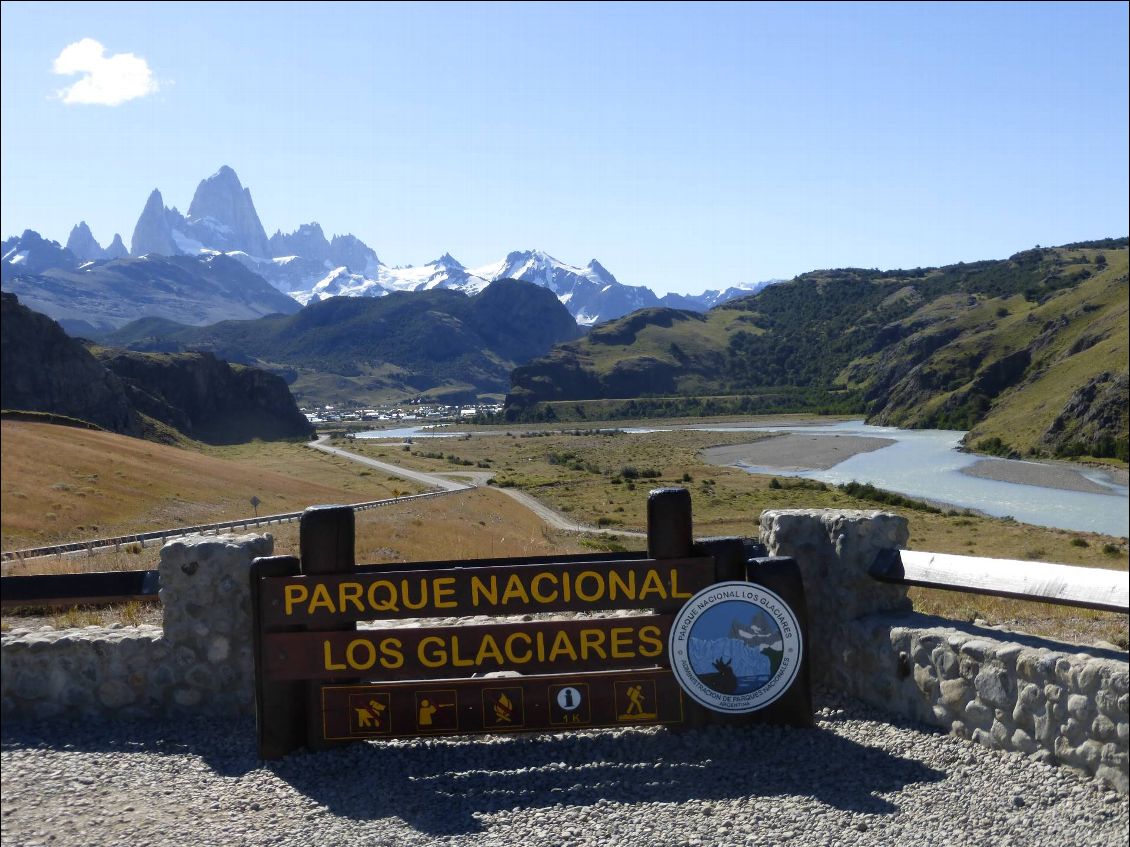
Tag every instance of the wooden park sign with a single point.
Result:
(720, 638)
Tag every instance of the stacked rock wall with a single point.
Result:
(1056, 702)
(201, 660)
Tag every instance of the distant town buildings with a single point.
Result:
(400, 413)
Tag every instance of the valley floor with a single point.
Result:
(547, 488)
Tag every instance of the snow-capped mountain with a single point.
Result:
(309, 267)
(713, 297)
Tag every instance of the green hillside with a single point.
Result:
(1030, 353)
(359, 349)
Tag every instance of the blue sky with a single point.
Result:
(685, 147)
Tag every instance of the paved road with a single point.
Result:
(467, 480)
(434, 480)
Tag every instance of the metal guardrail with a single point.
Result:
(161, 534)
(1065, 585)
(79, 589)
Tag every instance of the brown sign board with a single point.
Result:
(499, 590)
(445, 652)
(551, 702)
(320, 681)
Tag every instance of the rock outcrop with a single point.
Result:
(117, 249)
(45, 370)
(86, 248)
(206, 398)
(1094, 421)
(42, 369)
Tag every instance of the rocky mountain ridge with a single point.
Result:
(96, 296)
(42, 369)
(307, 266)
(86, 248)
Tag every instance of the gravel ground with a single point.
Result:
(795, 451)
(857, 779)
(1045, 475)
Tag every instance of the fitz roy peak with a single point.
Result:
(221, 218)
(309, 267)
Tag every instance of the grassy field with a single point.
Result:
(597, 478)
(61, 483)
(602, 479)
(476, 524)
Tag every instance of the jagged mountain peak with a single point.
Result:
(31, 253)
(449, 261)
(313, 229)
(225, 172)
(600, 271)
(117, 249)
(83, 244)
(155, 200)
(222, 215)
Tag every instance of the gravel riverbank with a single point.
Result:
(857, 779)
(795, 451)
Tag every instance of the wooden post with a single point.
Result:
(280, 707)
(326, 540)
(781, 575)
(729, 557)
(669, 530)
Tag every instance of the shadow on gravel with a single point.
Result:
(439, 786)
(226, 745)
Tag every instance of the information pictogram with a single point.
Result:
(569, 704)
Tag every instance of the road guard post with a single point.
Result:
(721, 638)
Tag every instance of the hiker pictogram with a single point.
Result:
(635, 701)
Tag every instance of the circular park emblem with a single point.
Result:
(735, 647)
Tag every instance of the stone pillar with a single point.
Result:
(835, 549)
(206, 596)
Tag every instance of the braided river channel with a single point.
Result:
(928, 464)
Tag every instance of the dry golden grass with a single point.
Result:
(475, 524)
(66, 484)
(726, 501)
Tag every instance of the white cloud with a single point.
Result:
(107, 80)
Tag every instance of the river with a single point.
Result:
(926, 463)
